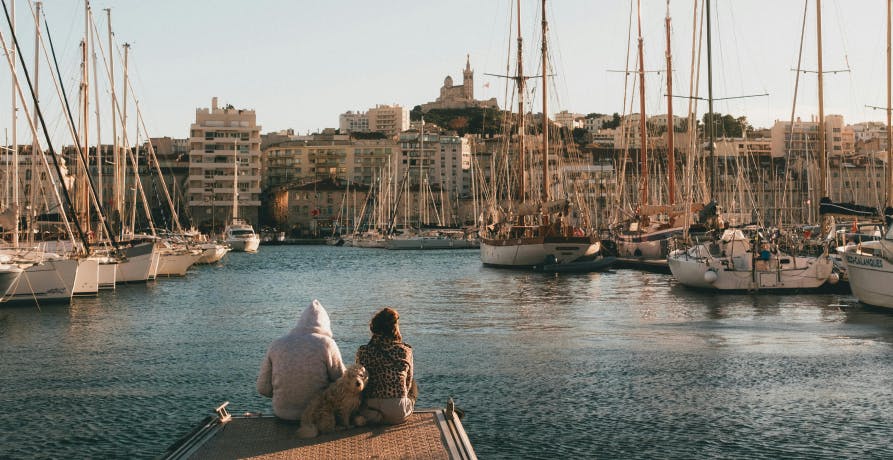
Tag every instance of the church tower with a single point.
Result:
(468, 79)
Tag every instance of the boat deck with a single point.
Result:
(428, 434)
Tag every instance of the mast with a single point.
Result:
(823, 181)
(99, 161)
(15, 142)
(711, 129)
(85, 114)
(35, 143)
(522, 167)
(116, 157)
(889, 130)
(546, 191)
(235, 179)
(671, 153)
(643, 135)
(122, 165)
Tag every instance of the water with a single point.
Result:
(619, 364)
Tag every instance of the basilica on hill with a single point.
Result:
(459, 96)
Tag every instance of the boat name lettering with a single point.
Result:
(864, 261)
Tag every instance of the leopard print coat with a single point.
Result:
(389, 364)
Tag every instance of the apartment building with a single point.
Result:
(321, 157)
(388, 119)
(223, 142)
(436, 160)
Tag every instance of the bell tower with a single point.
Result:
(468, 79)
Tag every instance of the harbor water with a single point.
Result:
(621, 364)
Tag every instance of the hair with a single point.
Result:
(384, 323)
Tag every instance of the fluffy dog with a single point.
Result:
(332, 408)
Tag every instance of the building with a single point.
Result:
(353, 122)
(800, 140)
(459, 96)
(223, 141)
(569, 120)
(440, 162)
(320, 157)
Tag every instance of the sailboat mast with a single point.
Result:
(643, 135)
(235, 180)
(711, 129)
(15, 142)
(671, 154)
(115, 155)
(522, 167)
(889, 130)
(823, 182)
(546, 186)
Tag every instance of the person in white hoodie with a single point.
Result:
(300, 364)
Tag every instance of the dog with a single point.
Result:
(333, 407)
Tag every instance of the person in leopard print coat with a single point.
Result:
(390, 394)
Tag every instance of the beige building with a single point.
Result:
(802, 141)
(388, 119)
(440, 162)
(219, 138)
(320, 157)
(569, 120)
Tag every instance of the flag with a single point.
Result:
(487, 85)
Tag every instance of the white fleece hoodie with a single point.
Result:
(300, 364)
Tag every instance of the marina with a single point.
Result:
(617, 364)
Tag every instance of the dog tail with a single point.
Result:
(307, 430)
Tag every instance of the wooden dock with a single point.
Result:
(428, 434)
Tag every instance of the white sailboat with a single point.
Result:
(239, 234)
(537, 229)
(869, 265)
(736, 262)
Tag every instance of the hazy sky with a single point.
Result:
(301, 63)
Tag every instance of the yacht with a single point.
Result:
(240, 236)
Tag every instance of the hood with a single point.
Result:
(314, 320)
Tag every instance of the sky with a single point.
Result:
(301, 63)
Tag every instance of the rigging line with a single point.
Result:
(81, 154)
(789, 150)
(68, 201)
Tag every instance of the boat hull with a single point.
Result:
(176, 263)
(212, 253)
(244, 245)
(48, 281)
(137, 264)
(696, 268)
(870, 278)
(429, 243)
(529, 252)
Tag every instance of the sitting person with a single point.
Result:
(391, 392)
(300, 364)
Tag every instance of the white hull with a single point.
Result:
(525, 253)
(108, 269)
(212, 253)
(176, 263)
(49, 281)
(697, 268)
(9, 275)
(870, 275)
(137, 266)
(425, 242)
(86, 281)
(244, 245)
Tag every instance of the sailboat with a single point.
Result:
(526, 230)
(239, 234)
(647, 237)
(418, 238)
(752, 261)
(869, 265)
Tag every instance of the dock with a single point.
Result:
(428, 434)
